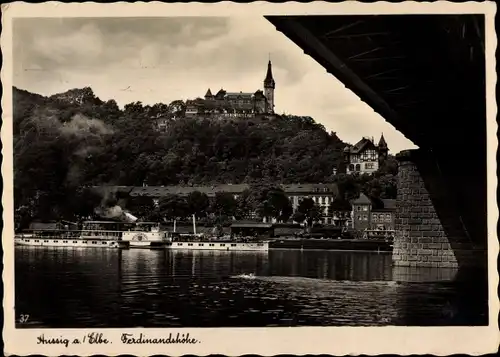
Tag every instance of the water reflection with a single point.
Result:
(335, 265)
(115, 288)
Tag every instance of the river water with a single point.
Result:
(84, 288)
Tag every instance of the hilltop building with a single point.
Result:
(365, 156)
(235, 104)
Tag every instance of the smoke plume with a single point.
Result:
(110, 208)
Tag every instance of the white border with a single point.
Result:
(262, 341)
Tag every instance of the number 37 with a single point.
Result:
(24, 318)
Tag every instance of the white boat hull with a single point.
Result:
(227, 246)
(68, 243)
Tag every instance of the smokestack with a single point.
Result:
(194, 224)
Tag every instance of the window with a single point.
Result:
(55, 241)
(179, 244)
(369, 165)
(222, 245)
(365, 217)
(323, 200)
(365, 208)
(211, 245)
(351, 167)
(200, 244)
(190, 244)
(75, 241)
(375, 216)
(84, 242)
(358, 167)
(46, 241)
(233, 245)
(103, 242)
(94, 242)
(359, 208)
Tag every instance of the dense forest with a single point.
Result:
(70, 141)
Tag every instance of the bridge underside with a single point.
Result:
(425, 75)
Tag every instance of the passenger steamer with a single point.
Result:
(202, 242)
(96, 234)
(93, 234)
(177, 241)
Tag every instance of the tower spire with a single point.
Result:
(269, 86)
(269, 80)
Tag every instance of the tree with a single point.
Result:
(389, 166)
(243, 205)
(223, 205)
(270, 201)
(144, 207)
(177, 108)
(339, 208)
(197, 204)
(339, 204)
(348, 186)
(310, 211)
(173, 207)
(299, 216)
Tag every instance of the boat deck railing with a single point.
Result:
(70, 234)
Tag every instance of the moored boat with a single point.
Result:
(145, 235)
(85, 238)
(198, 242)
(92, 234)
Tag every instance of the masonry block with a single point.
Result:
(428, 232)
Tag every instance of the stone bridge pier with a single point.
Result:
(430, 231)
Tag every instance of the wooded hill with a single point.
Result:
(74, 140)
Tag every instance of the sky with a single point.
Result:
(155, 60)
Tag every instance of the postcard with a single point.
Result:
(249, 178)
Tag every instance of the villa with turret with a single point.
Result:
(365, 156)
(235, 104)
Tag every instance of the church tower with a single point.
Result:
(269, 86)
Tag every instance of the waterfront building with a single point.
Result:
(322, 194)
(373, 214)
(365, 156)
(235, 104)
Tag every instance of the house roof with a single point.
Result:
(381, 142)
(159, 191)
(361, 145)
(239, 94)
(379, 204)
(311, 188)
(251, 225)
(376, 203)
(362, 200)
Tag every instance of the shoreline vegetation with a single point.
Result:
(68, 143)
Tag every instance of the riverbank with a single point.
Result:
(331, 244)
